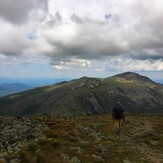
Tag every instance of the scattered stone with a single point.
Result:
(83, 143)
(89, 113)
(14, 161)
(65, 156)
(98, 158)
(74, 160)
(77, 149)
(3, 154)
(154, 143)
(102, 148)
(17, 132)
(126, 161)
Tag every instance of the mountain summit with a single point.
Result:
(88, 95)
(134, 76)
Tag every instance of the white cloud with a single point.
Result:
(125, 64)
(13, 39)
(77, 32)
(84, 35)
(72, 64)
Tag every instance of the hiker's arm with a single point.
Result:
(113, 113)
(122, 113)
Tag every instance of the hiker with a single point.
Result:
(118, 115)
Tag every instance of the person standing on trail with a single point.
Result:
(118, 115)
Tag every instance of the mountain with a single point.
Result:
(6, 89)
(88, 95)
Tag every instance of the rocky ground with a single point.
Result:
(17, 133)
(81, 139)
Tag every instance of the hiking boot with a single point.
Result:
(118, 130)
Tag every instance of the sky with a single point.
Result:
(75, 38)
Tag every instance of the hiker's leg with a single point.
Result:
(115, 123)
(116, 126)
(119, 125)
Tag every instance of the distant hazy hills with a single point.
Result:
(137, 93)
(6, 89)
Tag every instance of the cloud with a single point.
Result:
(128, 64)
(87, 39)
(91, 35)
(13, 40)
(131, 29)
(18, 11)
(148, 54)
(72, 64)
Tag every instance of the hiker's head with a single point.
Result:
(118, 103)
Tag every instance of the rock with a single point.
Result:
(88, 130)
(30, 136)
(98, 158)
(126, 161)
(97, 136)
(154, 143)
(19, 117)
(14, 161)
(102, 148)
(65, 156)
(89, 113)
(74, 160)
(16, 133)
(3, 154)
(83, 143)
(76, 149)
(16, 149)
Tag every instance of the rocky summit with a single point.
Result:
(95, 96)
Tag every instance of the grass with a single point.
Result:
(81, 137)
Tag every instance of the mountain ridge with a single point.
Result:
(93, 95)
(6, 88)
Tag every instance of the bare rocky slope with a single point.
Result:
(87, 95)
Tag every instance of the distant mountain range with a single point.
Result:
(6, 89)
(88, 95)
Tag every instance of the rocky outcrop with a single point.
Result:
(17, 132)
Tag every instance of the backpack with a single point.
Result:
(118, 112)
(118, 109)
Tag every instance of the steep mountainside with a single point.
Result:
(6, 89)
(93, 95)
